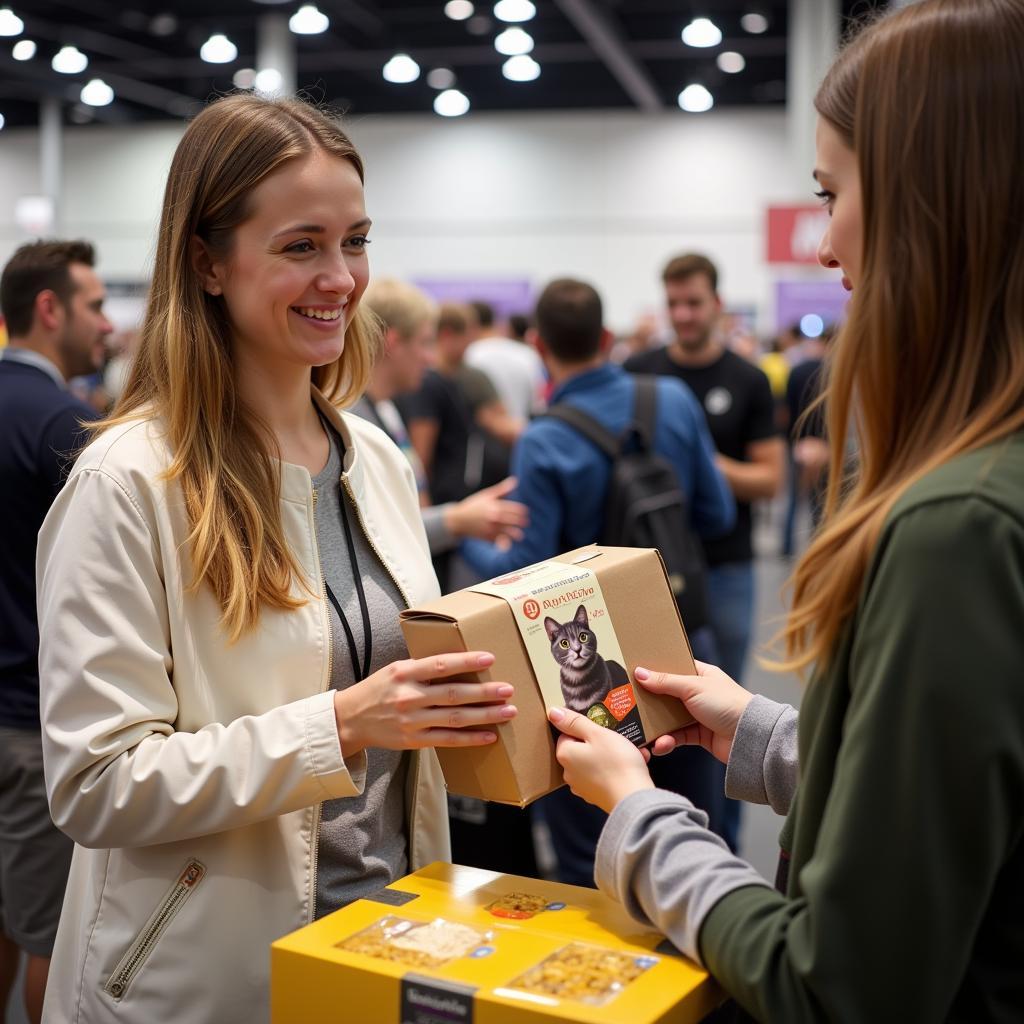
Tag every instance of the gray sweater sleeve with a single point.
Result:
(658, 859)
(763, 766)
(439, 537)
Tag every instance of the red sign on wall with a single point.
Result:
(794, 233)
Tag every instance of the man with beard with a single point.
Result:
(740, 412)
(52, 302)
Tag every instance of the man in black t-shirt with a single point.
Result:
(459, 428)
(740, 411)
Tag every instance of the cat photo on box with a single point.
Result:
(586, 677)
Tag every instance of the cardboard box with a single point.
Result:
(638, 603)
(319, 975)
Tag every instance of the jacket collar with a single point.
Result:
(29, 357)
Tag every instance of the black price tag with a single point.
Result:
(432, 1001)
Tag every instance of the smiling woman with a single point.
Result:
(291, 290)
(234, 733)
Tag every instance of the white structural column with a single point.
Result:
(275, 48)
(813, 43)
(51, 157)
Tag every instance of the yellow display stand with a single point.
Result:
(542, 952)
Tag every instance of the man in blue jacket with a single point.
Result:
(563, 481)
(52, 302)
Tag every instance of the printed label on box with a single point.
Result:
(571, 642)
(432, 1001)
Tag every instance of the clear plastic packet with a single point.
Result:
(583, 974)
(429, 944)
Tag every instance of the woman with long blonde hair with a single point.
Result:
(902, 871)
(234, 735)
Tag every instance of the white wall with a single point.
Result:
(603, 196)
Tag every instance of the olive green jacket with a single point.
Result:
(905, 893)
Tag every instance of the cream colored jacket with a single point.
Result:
(190, 772)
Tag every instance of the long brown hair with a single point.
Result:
(930, 362)
(224, 456)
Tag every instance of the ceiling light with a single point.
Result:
(218, 49)
(69, 61)
(440, 78)
(10, 23)
(695, 99)
(513, 41)
(702, 32)
(459, 10)
(451, 103)
(24, 49)
(514, 10)
(401, 69)
(754, 23)
(96, 93)
(731, 62)
(522, 68)
(479, 25)
(244, 78)
(1, 122)
(269, 81)
(308, 21)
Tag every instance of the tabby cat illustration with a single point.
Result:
(585, 676)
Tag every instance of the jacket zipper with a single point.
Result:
(139, 951)
(416, 757)
(318, 810)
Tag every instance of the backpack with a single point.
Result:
(645, 506)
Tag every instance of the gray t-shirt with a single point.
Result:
(361, 844)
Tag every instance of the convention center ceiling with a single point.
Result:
(160, 59)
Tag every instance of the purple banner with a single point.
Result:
(796, 299)
(504, 295)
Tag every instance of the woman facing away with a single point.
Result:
(234, 734)
(902, 889)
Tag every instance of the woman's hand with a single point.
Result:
(600, 766)
(714, 700)
(419, 703)
(488, 515)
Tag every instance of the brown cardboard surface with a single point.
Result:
(521, 765)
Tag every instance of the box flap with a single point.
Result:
(452, 607)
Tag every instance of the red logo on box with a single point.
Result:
(531, 609)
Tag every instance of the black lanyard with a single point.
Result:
(359, 672)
